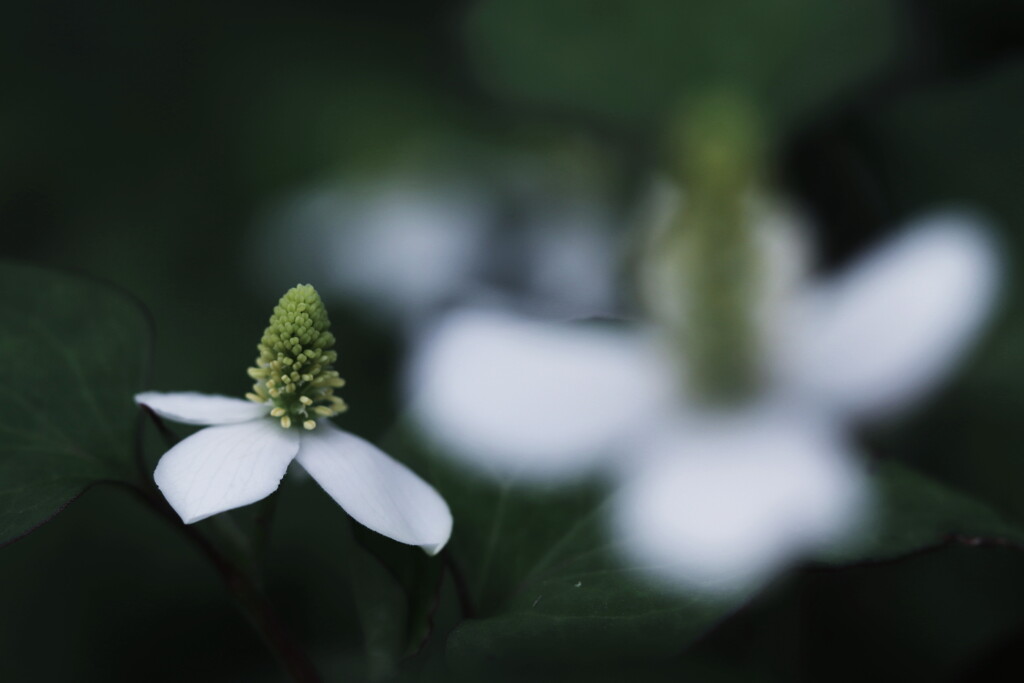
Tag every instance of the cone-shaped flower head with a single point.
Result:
(294, 369)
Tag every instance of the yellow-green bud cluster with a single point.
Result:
(294, 370)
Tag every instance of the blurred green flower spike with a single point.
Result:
(705, 268)
(718, 146)
(246, 449)
(294, 370)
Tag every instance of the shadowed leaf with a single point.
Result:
(72, 354)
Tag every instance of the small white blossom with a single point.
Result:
(242, 455)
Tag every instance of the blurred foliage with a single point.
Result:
(638, 62)
(141, 143)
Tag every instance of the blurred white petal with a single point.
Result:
(400, 248)
(533, 399)
(572, 260)
(375, 490)
(408, 249)
(786, 253)
(718, 504)
(225, 467)
(886, 330)
(190, 407)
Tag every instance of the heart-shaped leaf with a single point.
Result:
(72, 354)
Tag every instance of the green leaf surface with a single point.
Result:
(383, 612)
(913, 512)
(549, 587)
(578, 601)
(635, 61)
(546, 584)
(72, 354)
(396, 591)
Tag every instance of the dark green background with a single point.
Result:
(140, 143)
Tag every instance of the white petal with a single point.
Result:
(194, 408)
(517, 397)
(225, 467)
(717, 504)
(375, 490)
(885, 331)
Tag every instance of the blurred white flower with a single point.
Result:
(561, 257)
(715, 500)
(404, 249)
(399, 249)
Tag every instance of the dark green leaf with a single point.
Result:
(72, 354)
(383, 612)
(578, 601)
(397, 590)
(914, 512)
(546, 585)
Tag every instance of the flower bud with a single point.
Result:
(299, 387)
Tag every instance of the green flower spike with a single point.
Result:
(294, 368)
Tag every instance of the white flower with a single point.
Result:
(242, 455)
(399, 249)
(715, 500)
(408, 247)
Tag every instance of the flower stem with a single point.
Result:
(461, 588)
(261, 532)
(241, 586)
(247, 596)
